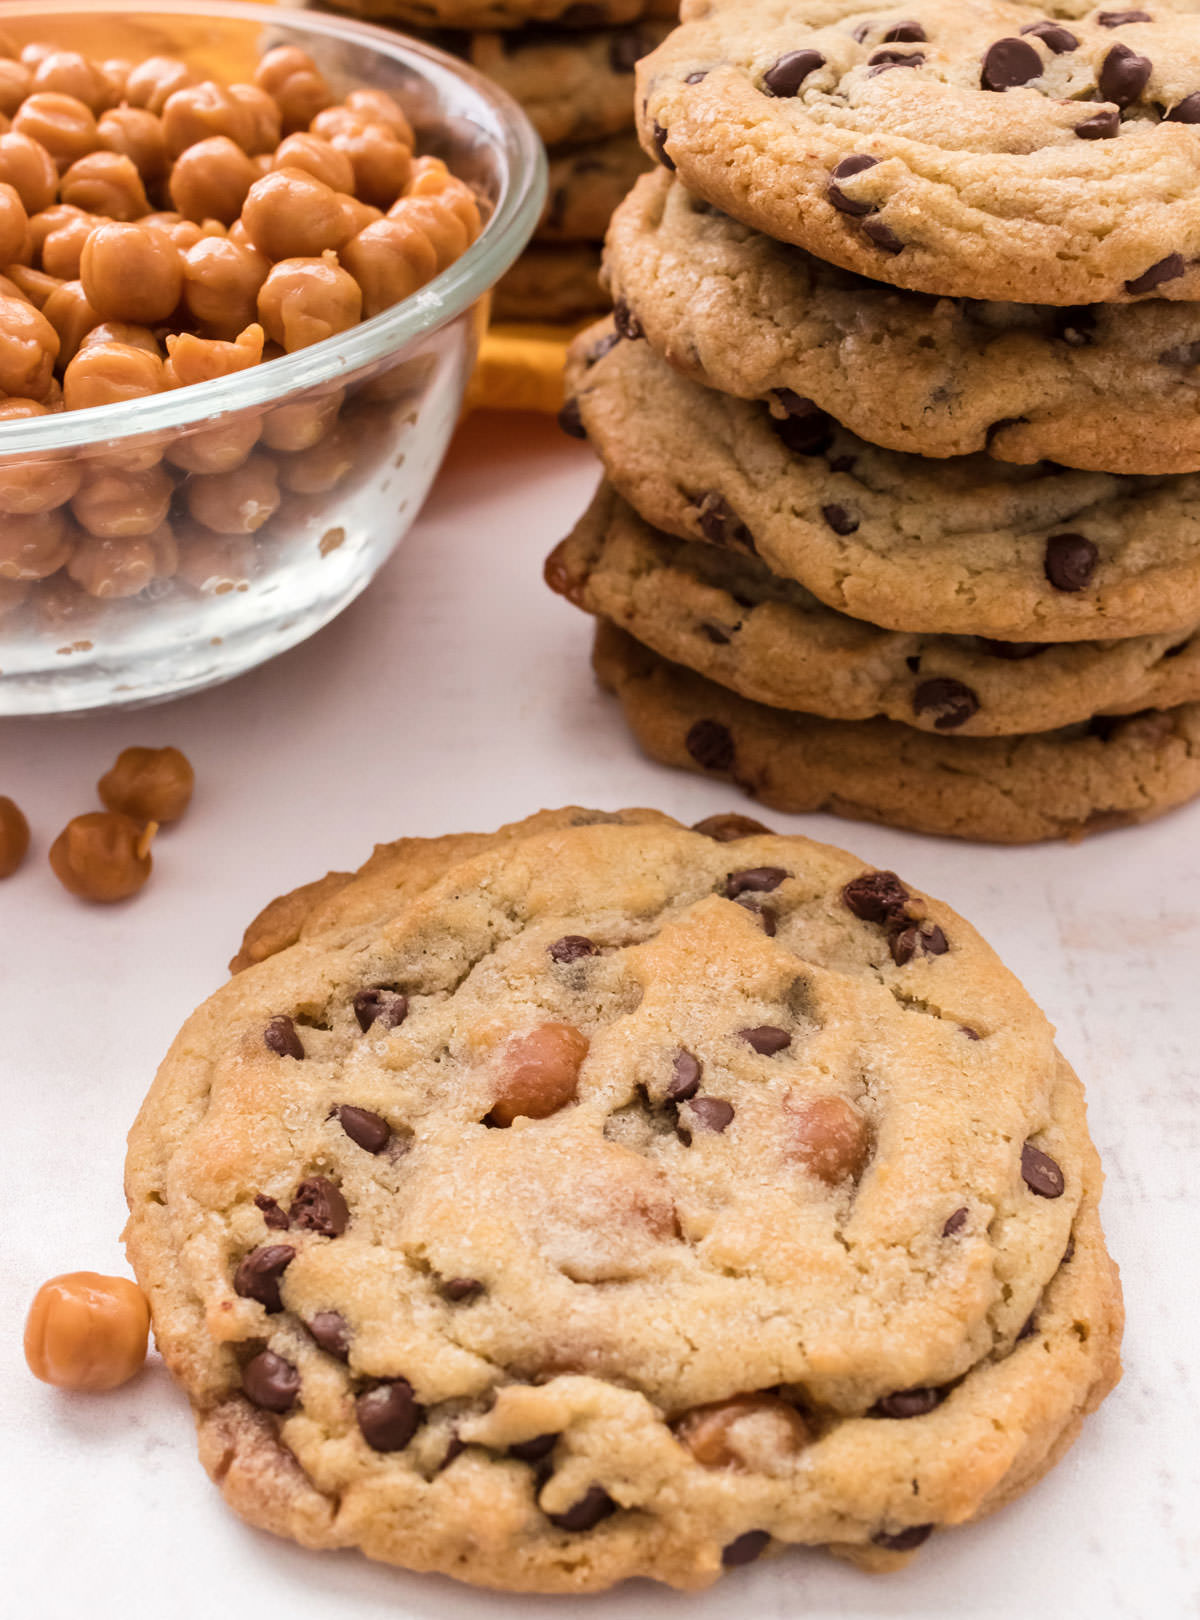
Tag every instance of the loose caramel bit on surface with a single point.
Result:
(86, 1331)
(830, 1137)
(149, 784)
(539, 1073)
(747, 1432)
(103, 856)
(14, 837)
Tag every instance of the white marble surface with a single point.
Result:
(457, 694)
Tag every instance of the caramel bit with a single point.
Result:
(149, 784)
(85, 1331)
(830, 1137)
(746, 1432)
(539, 1073)
(103, 856)
(14, 837)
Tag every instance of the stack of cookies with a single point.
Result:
(571, 67)
(899, 415)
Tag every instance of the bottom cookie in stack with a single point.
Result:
(833, 626)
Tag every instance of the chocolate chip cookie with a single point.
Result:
(987, 150)
(566, 14)
(728, 618)
(1112, 387)
(1106, 773)
(970, 546)
(574, 86)
(585, 184)
(551, 281)
(613, 1199)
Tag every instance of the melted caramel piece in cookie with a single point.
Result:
(751, 1433)
(830, 1137)
(539, 1073)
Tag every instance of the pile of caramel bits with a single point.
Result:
(157, 230)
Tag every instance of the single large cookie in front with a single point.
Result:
(731, 620)
(1111, 772)
(978, 148)
(964, 547)
(623, 1200)
(1112, 387)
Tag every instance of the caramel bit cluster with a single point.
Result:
(85, 1331)
(157, 230)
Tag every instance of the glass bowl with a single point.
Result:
(285, 486)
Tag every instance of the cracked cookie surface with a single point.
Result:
(1109, 773)
(602, 1198)
(1109, 387)
(731, 620)
(971, 546)
(979, 148)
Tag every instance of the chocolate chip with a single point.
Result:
(602, 346)
(905, 32)
(909, 1403)
(1013, 651)
(956, 1222)
(903, 1540)
(570, 420)
(281, 1038)
(685, 1076)
(875, 896)
(271, 1382)
(1124, 75)
(535, 1450)
(1009, 63)
(695, 78)
(907, 940)
(595, 1504)
(727, 829)
(1069, 1251)
(1053, 36)
(744, 1549)
(387, 1008)
(1027, 1328)
(388, 1415)
(370, 1131)
(1186, 111)
(1070, 561)
(626, 49)
(572, 947)
(766, 1039)
(846, 170)
(806, 430)
(626, 322)
(971, 1034)
(711, 745)
(712, 1113)
(784, 77)
(319, 1207)
(839, 520)
(882, 60)
(755, 879)
(1040, 1173)
(258, 1274)
(272, 1215)
(716, 634)
(455, 1448)
(1118, 19)
(766, 915)
(950, 702)
(883, 236)
(460, 1290)
(1102, 126)
(720, 524)
(1168, 269)
(659, 136)
(332, 1332)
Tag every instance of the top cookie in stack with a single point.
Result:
(911, 445)
(571, 67)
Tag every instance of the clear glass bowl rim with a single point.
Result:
(441, 300)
